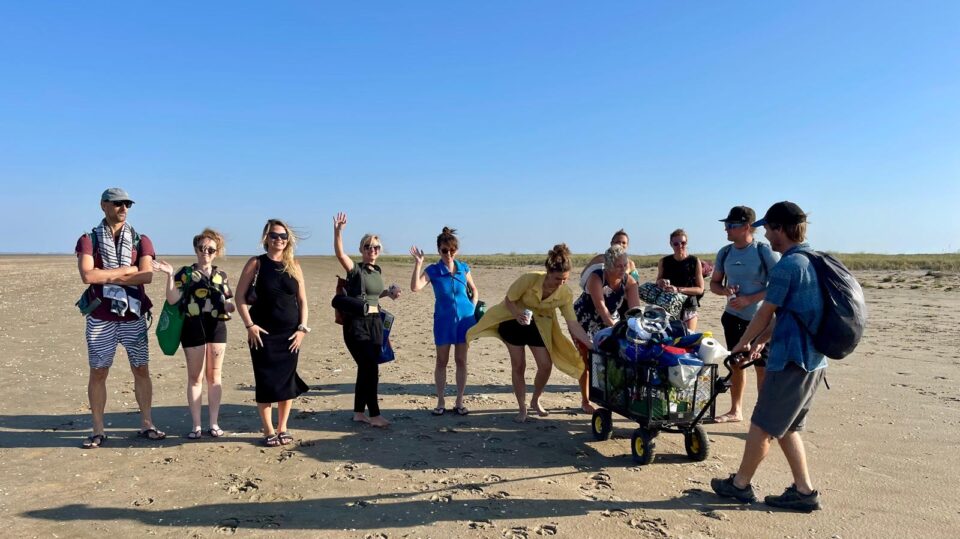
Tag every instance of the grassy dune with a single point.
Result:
(855, 261)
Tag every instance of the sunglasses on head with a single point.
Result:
(278, 236)
(207, 250)
(445, 250)
(731, 226)
(678, 243)
(124, 203)
(371, 247)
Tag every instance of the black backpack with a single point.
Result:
(844, 308)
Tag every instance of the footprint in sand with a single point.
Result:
(501, 495)
(615, 512)
(492, 478)
(414, 464)
(422, 437)
(516, 532)
(480, 524)
(655, 527)
(227, 526)
(546, 529)
(546, 428)
(440, 498)
(142, 502)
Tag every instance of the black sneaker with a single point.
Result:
(793, 499)
(726, 489)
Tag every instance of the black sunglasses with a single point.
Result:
(208, 250)
(371, 247)
(278, 235)
(447, 251)
(731, 226)
(125, 203)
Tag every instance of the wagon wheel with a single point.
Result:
(642, 443)
(602, 424)
(696, 443)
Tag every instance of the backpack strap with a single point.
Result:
(721, 258)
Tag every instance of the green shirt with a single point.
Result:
(372, 279)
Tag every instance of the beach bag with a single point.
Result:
(170, 324)
(169, 327)
(672, 302)
(386, 349)
(844, 307)
(479, 311)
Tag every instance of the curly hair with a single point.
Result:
(558, 259)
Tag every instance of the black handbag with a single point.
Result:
(251, 296)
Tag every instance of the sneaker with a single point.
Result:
(792, 499)
(726, 489)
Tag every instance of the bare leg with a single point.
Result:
(265, 409)
(440, 374)
(97, 395)
(792, 446)
(761, 375)
(755, 450)
(544, 368)
(460, 357)
(738, 380)
(692, 324)
(585, 404)
(195, 361)
(143, 387)
(283, 414)
(214, 383)
(518, 367)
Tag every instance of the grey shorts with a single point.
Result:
(785, 399)
(103, 336)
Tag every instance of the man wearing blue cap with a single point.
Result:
(114, 260)
(795, 368)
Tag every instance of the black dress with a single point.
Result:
(278, 312)
(682, 273)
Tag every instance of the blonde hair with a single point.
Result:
(367, 238)
(558, 259)
(289, 266)
(212, 235)
(614, 253)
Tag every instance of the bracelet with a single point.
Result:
(250, 326)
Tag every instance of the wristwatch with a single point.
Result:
(303, 328)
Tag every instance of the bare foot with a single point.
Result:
(379, 421)
(360, 418)
(541, 411)
(588, 408)
(728, 417)
(521, 417)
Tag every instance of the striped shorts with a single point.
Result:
(104, 335)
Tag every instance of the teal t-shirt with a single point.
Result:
(749, 268)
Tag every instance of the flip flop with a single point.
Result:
(215, 432)
(727, 418)
(438, 411)
(194, 435)
(152, 434)
(461, 410)
(94, 441)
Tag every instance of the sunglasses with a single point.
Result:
(678, 243)
(278, 236)
(731, 226)
(370, 247)
(207, 250)
(445, 251)
(124, 203)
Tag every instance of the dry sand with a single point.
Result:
(882, 443)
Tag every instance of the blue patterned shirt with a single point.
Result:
(794, 289)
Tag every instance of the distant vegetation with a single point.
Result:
(855, 261)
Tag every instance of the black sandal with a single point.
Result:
(152, 434)
(284, 438)
(94, 441)
(194, 435)
(271, 441)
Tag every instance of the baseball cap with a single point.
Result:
(783, 213)
(115, 194)
(740, 214)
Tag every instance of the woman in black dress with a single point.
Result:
(276, 322)
(682, 272)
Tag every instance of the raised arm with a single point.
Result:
(340, 221)
(173, 295)
(419, 279)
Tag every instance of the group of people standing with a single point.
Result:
(271, 301)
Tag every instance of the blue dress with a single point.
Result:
(453, 310)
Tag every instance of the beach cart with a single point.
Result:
(641, 391)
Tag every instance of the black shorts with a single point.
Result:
(513, 333)
(733, 329)
(200, 330)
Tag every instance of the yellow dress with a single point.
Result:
(526, 292)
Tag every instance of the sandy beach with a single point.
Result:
(881, 442)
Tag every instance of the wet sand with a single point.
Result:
(881, 443)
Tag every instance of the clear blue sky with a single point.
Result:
(520, 123)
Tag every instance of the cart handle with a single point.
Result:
(728, 361)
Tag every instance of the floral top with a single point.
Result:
(202, 294)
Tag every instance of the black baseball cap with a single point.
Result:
(740, 214)
(783, 213)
